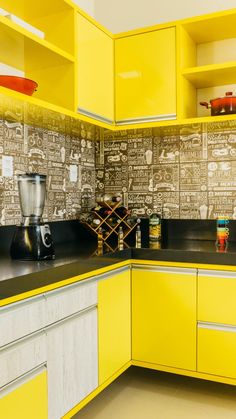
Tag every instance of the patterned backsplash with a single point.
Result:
(188, 172)
(68, 160)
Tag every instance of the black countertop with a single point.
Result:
(17, 277)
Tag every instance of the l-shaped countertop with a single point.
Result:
(22, 279)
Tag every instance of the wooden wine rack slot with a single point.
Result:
(111, 231)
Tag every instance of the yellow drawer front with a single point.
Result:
(216, 352)
(216, 297)
(164, 318)
(28, 401)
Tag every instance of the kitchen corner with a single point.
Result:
(117, 212)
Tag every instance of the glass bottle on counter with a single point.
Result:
(120, 239)
(138, 237)
(100, 242)
(155, 228)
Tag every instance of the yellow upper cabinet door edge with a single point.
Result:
(89, 18)
(95, 71)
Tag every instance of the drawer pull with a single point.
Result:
(9, 387)
(164, 269)
(217, 326)
(217, 274)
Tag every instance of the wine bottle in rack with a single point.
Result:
(122, 211)
(116, 198)
(113, 221)
(104, 212)
(93, 220)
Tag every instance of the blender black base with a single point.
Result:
(32, 242)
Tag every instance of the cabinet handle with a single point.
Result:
(164, 269)
(65, 319)
(153, 118)
(217, 274)
(113, 272)
(95, 116)
(27, 301)
(22, 379)
(217, 326)
(88, 280)
(22, 339)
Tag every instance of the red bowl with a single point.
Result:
(20, 84)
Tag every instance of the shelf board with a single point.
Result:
(29, 103)
(210, 28)
(23, 34)
(207, 119)
(211, 75)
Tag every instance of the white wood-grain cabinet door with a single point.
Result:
(72, 361)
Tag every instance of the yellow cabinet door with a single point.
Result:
(95, 72)
(114, 323)
(217, 349)
(164, 316)
(26, 398)
(216, 296)
(145, 68)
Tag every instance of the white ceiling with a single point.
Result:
(122, 15)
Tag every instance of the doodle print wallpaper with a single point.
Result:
(187, 172)
(67, 158)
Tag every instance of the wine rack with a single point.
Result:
(110, 232)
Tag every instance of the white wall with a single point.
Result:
(87, 5)
(123, 15)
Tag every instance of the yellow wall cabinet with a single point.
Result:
(114, 323)
(26, 397)
(49, 60)
(95, 72)
(207, 61)
(146, 77)
(164, 316)
(145, 69)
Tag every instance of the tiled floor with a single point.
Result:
(146, 394)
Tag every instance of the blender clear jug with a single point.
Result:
(32, 192)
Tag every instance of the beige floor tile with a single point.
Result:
(145, 394)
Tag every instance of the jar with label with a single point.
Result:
(154, 228)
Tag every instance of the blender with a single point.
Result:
(32, 239)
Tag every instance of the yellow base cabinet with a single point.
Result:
(114, 323)
(216, 322)
(26, 397)
(164, 316)
(145, 67)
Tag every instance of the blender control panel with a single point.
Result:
(46, 235)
